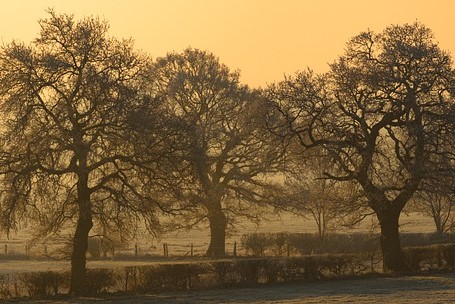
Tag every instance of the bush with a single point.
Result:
(168, 277)
(249, 270)
(224, 272)
(426, 239)
(5, 287)
(434, 256)
(208, 274)
(41, 284)
(100, 280)
(257, 243)
(308, 243)
(279, 241)
(344, 264)
(448, 254)
(334, 243)
(275, 270)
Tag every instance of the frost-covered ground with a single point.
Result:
(430, 289)
(414, 290)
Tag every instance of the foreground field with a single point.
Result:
(401, 290)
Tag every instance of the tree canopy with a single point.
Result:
(67, 156)
(379, 113)
(226, 153)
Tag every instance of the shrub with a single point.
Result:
(448, 254)
(280, 240)
(166, 277)
(224, 271)
(416, 257)
(425, 239)
(275, 270)
(5, 287)
(41, 284)
(100, 280)
(257, 243)
(294, 269)
(312, 267)
(342, 264)
(334, 243)
(249, 270)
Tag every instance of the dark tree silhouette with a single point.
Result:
(436, 199)
(377, 113)
(66, 152)
(225, 155)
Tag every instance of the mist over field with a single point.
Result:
(127, 177)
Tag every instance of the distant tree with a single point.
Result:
(67, 157)
(379, 113)
(225, 157)
(331, 204)
(436, 199)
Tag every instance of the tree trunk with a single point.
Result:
(218, 223)
(393, 259)
(78, 257)
(78, 285)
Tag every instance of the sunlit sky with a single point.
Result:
(264, 39)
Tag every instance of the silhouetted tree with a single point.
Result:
(436, 199)
(377, 113)
(66, 149)
(225, 155)
(331, 204)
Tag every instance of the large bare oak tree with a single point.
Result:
(67, 156)
(225, 156)
(380, 113)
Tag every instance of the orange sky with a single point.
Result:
(265, 39)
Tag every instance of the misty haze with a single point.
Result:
(131, 176)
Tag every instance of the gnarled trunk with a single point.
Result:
(78, 256)
(393, 259)
(80, 241)
(218, 223)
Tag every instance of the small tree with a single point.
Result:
(329, 203)
(436, 199)
(67, 157)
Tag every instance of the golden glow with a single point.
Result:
(265, 39)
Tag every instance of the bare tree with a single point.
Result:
(377, 113)
(331, 204)
(225, 155)
(67, 157)
(436, 199)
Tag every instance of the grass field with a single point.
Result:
(432, 289)
(180, 241)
